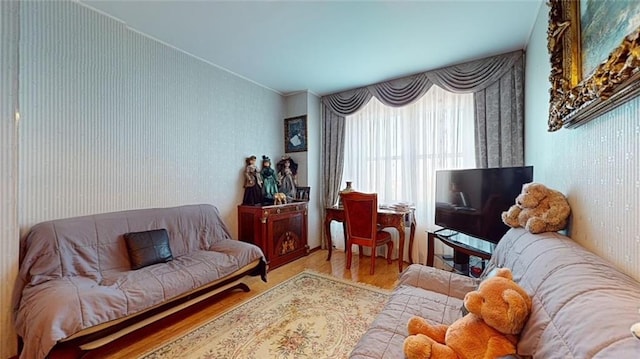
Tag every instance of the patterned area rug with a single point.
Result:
(308, 316)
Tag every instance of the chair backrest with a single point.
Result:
(361, 212)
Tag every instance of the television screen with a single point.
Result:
(471, 201)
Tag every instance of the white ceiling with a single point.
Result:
(330, 46)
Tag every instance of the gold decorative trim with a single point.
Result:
(576, 100)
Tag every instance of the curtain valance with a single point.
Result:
(464, 78)
(476, 75)
(497, 85)
(347, 103)
(401, 92)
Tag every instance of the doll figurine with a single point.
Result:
(269, 180)
(252, 183)
(287, 171)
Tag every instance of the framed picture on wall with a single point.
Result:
(302, 194)
(295, 134)
(594, 61)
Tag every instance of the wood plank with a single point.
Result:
(145, 340)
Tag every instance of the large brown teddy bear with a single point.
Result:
(497, 312)
(538, 209)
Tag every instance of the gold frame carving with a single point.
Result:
(576, 100)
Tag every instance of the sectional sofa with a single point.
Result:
(583, 306)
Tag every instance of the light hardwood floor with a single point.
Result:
(385, 277)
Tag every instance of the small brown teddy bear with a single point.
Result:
(497, 312)
(538, 209)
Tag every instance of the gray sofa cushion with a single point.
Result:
(439, 281)
(582, 305)
(424, 291)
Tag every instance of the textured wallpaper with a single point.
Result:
(316, 210)
(113, 120)
(597, 165)
(309, 162)
(9, 30)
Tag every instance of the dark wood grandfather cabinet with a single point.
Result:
(280, 231)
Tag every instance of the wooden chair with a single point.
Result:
(361, 215)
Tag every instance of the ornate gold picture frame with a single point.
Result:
(575, 99)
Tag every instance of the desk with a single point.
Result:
(387, 218)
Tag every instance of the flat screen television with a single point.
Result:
(471, 201)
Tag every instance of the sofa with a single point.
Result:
(75, 282)
(583, 306)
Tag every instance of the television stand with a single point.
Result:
(464, 247)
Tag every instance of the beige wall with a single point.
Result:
(306, 103)
(113, 120)
(316, 210)
(9, 28)
(597, 165)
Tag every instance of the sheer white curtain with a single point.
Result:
(396, 151)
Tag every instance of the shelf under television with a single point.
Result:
(470, 253)
(464, 243)
(445, 262)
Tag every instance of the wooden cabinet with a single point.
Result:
(280, 231)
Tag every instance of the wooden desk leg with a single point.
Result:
(327, 234)
(412, 234)
(430, 245)
(400, 228)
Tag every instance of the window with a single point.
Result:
(396, 151)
